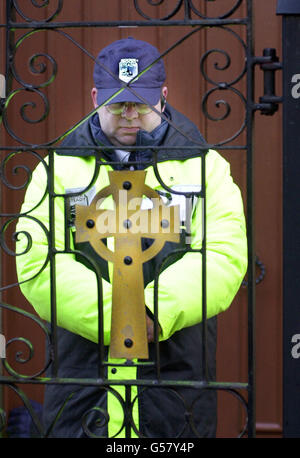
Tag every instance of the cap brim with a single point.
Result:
(152, 95)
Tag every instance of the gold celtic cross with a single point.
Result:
(128, 223)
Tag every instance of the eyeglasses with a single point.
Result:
(118, 108)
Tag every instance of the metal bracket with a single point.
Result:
(269, 63)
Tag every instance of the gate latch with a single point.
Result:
(269, 63)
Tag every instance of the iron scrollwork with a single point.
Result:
(39, 4)
(227, 13)
(38, 64)
(186, 6)
(156, 3)
(224, 87)
(20, 356)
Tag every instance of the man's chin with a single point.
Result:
(127, 140)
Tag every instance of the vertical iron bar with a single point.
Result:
(9, 40)
(101, 368)
(155, 305)
(127, 411)
(187, 10)
(101, 350)
(156, 339)
(67, 224)
(204, 271)
(53, 325)
(250, 225)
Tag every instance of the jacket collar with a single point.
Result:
(176, 130)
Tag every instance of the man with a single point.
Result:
(139, 117)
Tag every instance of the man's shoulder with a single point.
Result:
(181, 119)
(79, 141)
(182, 134)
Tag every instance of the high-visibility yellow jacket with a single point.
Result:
(180, 283)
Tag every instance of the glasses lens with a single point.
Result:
(118, 108)
(142, 108)
(115, 108)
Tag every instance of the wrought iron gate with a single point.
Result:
(181, 14)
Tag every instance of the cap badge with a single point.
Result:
(128, 69)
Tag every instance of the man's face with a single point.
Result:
(122, 129)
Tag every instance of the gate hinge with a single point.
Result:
(269, 63)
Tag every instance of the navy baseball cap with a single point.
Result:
(126, 59)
